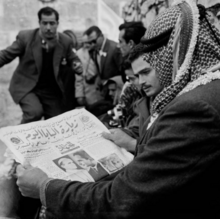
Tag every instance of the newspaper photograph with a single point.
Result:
(68, 146)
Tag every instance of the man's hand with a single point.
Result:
(121, 139)
(30, 180)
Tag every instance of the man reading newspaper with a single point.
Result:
(175, 173)
(67, 147)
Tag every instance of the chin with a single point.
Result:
(150, 94)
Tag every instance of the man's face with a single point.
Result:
(82, 162)
(117, 162)
(123, 46)
(85, 44)
(131, 77)
(94, 40)
(147, 77)
(214, 19)
(112, 88)
(68, 164)
(48, 26)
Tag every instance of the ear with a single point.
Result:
(131, 43)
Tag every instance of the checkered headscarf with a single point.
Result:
(192, 47)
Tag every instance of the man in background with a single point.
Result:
(129, 36)
(87, 85)
(45, 57)
(104, 52)
(214, 14)
(105, 55)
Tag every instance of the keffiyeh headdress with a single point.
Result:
(182, 44)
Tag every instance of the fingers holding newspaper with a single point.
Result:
(121, 139)
(30, 180)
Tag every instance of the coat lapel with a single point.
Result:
(37, 52)
(58, 53)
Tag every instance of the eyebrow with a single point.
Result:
(144, 70)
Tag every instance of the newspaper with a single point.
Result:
(68, 146)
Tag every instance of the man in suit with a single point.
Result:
(175, 171)
(105, 54)
(94, 168)
(130, 35)
(45, 56)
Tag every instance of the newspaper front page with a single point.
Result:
(68, 146)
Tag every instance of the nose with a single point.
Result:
(48, 26)
(141, 80)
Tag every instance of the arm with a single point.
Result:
(74, 61)
(10, 53)
(117, 59)
(79, 89)
(184, 143)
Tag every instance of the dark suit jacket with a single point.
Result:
(110, 64)
(28, 48)
(98, 172)
(174, 175)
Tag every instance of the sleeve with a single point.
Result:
(164, 175)
(132, 131)
(118, 60)
(43, 189)
(74, 61)
(79, 86)
(16, 49)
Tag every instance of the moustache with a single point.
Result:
(145, 86)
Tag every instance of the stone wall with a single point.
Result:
(16, 15)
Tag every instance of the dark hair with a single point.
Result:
(48, 11)
(126, 64)
(93, 29)
(214, 9)
(136, 52)
(134, 30)
(72, 36)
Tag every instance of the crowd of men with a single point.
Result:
(165, 80)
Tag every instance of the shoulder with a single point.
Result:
(192, 118)
(112, 46)
(27, 35)
(112, 43)
(202, 95)
(197, 108)
(64, 39)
